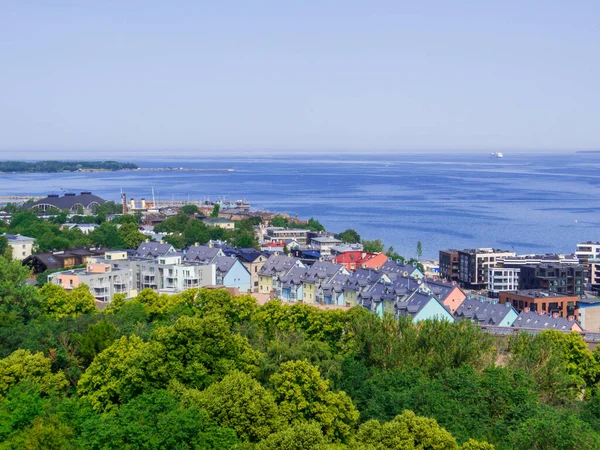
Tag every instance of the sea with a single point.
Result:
(528, 203)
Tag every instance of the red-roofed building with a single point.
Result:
(272, 246)
(353, 260)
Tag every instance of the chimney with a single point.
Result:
(143, 203)
(555, 315)
(571, 318)
(196, 244)
(210, 244)
(132, 203)
(526, 309)
(147, 241)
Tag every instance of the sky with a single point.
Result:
(194, 77)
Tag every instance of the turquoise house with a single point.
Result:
(422, 306)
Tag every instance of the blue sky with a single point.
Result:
(190, 77)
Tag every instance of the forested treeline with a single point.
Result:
(203, 369)
(62, 166)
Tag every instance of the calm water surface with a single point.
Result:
(529, 203)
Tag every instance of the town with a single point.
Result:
(180, 246)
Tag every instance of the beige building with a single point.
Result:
(219, 222)
(22, 246)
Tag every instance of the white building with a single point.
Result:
(588, 254)
(22, 246)
(502, 279)
(324, 244)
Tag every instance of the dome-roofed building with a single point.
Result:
(83, 203)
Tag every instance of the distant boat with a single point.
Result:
(497, 155)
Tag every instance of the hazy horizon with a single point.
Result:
(143, 77)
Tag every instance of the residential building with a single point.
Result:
(42, 262)
(536, 321)
(220, 222)
(474, 266)
(292, 284)
(486, 312)
(527, 260)
(22, 246)
(148, 249)
(588, 254)
(541, 301)
(449, 293)
(323, 244)
(230, 272)
(421, 305)
(203, 254)
(351, 260)
(252, 259)
(343, 248)
(281, 234)
(561, 278)
(449, 266)
(397, 268)
(319, 275)
(502, 279)
(275, 267)
(589, 313)
(272, 247)
(102, 280)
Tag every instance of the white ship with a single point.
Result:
(497, 155)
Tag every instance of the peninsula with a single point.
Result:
(62, 166)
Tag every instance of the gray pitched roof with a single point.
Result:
(441, 289)
(482, 311)
(153, 249)
(224, 264)
(202, 253)
(532, 319)
(322, 271)
(393, 269)
(413, 304)
(276, 264)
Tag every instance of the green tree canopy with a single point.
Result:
(240, 402)
(303, 395)
(350, 236)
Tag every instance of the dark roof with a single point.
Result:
(483, 311)
(532, 319)
(225, 263)
(201, 253)
(69, 200)
(413, 304)
(278, 263)
(441, 289)
(153, 249)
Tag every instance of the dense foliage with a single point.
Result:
(203, 369)
(62, 166)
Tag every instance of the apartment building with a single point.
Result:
(560, 278)
(22, 246)
(103, 280)
(449, 265)
(474, 265)
(502, 279)
(279, 234)
(588, 254)
(543, 302)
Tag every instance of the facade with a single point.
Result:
(449, 267)
(542, 302)
(449, 293)
(422, 306)
(588, 254)
(220, 222)
(269, 276)
(230, 272)
(281, 234)
(560, 278)
(589, 314)
(22, 246)
(323, 244)
(103, 281)
(474, 266)
(502, 279)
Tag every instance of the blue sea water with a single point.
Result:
(526, 202)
